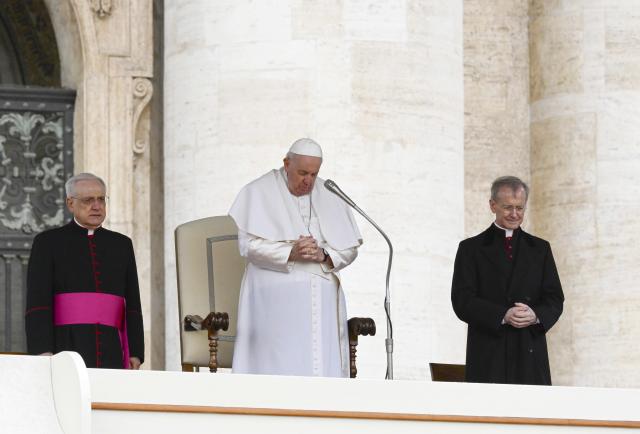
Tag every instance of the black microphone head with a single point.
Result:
(330, 185)
(333, 188)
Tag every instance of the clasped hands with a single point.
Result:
(306, 248)
(520, 316)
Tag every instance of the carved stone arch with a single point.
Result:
(28, 50)
(106, 53)
(77, 46)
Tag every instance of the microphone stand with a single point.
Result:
(333, 187)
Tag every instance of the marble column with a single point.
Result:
(380, 86)
(496, 102)
(585, 154)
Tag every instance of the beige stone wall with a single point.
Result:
(551, 94)
(106, 52)
(496, 102)
(584, 165)
(379, 85)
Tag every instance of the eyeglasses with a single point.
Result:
(88, 201)
(511, 208)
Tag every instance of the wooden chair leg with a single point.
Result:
(353, 370)
(213, 322)
(358, 327)
(213, 351)
(186, 367)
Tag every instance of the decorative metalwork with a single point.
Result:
(142, 92)
(36, 158)
(31, 171)
(101, 7)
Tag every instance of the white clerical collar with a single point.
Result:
(508, 232)
(90, 231)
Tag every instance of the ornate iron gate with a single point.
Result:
(36, 158)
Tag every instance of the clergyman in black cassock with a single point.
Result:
(507, 289)
(76, 260)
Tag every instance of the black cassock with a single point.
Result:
(68, 260)
(485, 285)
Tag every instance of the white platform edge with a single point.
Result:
(327, 394)
(71, 392)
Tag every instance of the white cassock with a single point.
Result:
(291, 315)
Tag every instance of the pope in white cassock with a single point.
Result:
(296, 236)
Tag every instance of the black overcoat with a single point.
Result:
(485, 285)
(65, 260)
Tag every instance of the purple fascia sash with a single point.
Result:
(93, 308)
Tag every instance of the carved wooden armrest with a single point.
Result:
(192, 323)
(212, 323)
(358, 327)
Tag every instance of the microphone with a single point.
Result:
(333, 188)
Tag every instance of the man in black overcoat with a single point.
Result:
(82, 286)
(506, 288)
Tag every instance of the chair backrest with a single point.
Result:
(209, 271)
(447, 372)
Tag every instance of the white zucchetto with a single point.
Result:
(306, 147)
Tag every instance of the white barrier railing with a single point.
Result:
(44, 394)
